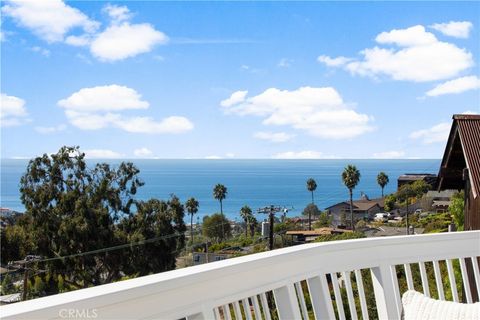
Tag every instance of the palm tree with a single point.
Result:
(192, 207)
(311, 186)
(246, 214)
(382, 180)
(220, 193)
(253, 224)
(351, 177)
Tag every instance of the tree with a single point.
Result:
(253, 223)
(404, 194)
(323, 220)
(420, 187)
(311, 210)
(382, 180)
(159, 220)
(74, 209)
(351, 177)
(457, 210)
(311, 186)
(390, 202)
(246, 214)
(216, 227)
(220, 193)
(192, 207)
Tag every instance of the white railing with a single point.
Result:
(293, 283)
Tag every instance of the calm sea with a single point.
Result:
(256, 183)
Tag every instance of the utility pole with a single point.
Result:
(271, 210)
(24, 264)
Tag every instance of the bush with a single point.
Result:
(341, 236)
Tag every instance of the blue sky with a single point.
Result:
(236, 80)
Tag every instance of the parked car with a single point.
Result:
(382, 217)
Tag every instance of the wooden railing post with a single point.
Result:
(382, 279)
(320, 297)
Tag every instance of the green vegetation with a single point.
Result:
(323, 220)
(247, 216)
(309, 211)
(192, 207)
(382, 180)
(311, 186)
(456, 208)
(350, 178)
(72, 209)
(216, 227)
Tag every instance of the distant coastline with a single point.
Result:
(256, 182)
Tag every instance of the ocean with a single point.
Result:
(256, 183)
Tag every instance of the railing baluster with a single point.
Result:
(351, 299)
(286, 302)
(438, 280)
(217, 314)
(396, 288)
(408, 276)
(476, 272)
(361, 294)
(246, 308)
(338, 296)
(256, 308)
(226, 312)
(301, 297)
(385, 293)
(320, 298)
(266, 309)
(423, 275)
(236, 310)
(466, 283)
(453, 282)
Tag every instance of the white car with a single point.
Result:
(382, 216)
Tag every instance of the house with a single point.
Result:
(304, 236)
(437, 201)
(363, 209)
(412, 177)
(460, 166)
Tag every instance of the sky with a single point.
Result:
(209, 80)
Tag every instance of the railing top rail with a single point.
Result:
(225, 279)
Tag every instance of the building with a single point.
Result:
(431, 179)
(363, 209)
(304, 236)
(460, 166)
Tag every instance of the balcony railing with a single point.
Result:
(291, 283)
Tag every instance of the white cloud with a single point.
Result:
(333, 62)
(320, 112)
(98, 107)
(307, 154)
(213, 157)
(143, 153)
(117, 13)
(79, 41)
(53, 129)
(235, 98)
(126, 40)
(455, 86)
(274, 136)
(457, 29)
(48, 19)
(284, 63)
(173, 125)
(389, 155)
(44, 52)
(416, 55)
(102, 154)
(12, 111)
(437, 133)
(104, 98)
